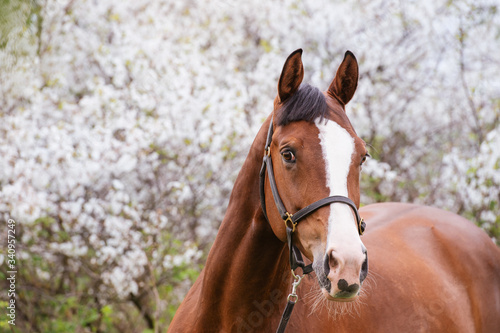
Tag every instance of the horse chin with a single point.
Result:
(329, 297)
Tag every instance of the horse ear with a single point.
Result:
(291, 76)
(345, 82)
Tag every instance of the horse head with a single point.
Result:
(316, 154)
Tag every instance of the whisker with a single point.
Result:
(318, 303)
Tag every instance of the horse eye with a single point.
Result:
(288, 156)
(364, 158)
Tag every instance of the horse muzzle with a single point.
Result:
(341, 277)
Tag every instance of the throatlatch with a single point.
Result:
(291, 221)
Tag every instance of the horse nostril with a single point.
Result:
(364, 269)
(326, 266)
(323, 279)
(331, 262)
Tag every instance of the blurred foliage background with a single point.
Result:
(123, 126)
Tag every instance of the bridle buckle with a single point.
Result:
(289, 219)
(361, 227)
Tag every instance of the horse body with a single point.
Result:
(429, 270)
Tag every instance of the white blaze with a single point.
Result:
(338, 147)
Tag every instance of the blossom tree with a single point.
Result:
(124, 124)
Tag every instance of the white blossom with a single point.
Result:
(123, 124)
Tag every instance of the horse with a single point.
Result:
(429, 270)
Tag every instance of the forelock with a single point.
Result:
(308, 103)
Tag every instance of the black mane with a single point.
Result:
(307, 104)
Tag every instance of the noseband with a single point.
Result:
(291, 221)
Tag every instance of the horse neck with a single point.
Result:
(247, 265)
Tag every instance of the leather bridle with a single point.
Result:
(291, 221)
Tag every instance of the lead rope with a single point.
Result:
(291, 300)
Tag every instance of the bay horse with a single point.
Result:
(429, 270)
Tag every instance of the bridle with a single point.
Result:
(291, 221)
